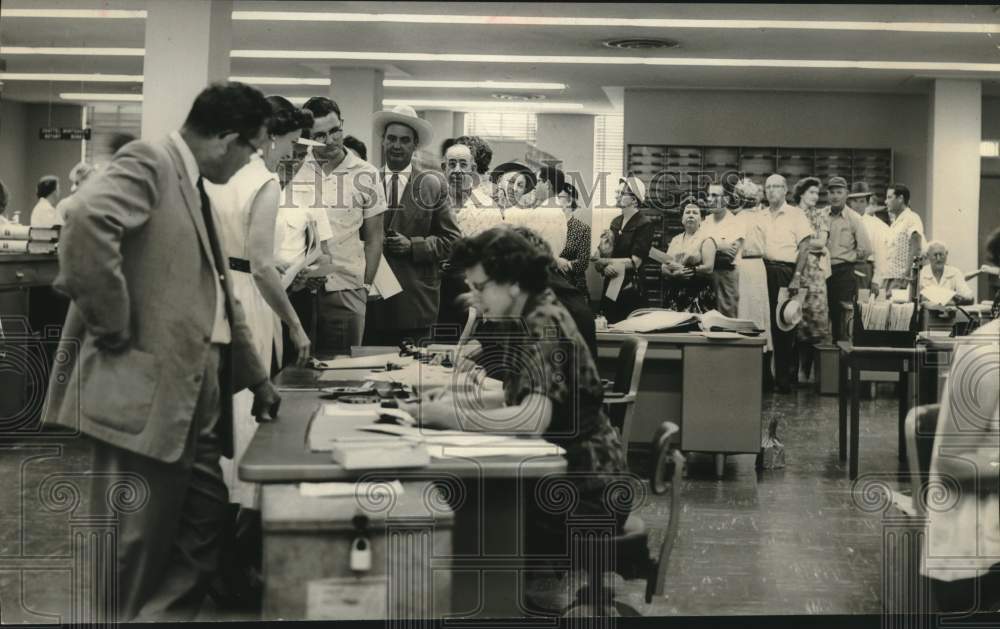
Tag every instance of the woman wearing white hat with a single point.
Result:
(633, 237)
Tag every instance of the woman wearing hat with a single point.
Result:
(815, 324)
(633, 237)
(688, 265)
(575, 256)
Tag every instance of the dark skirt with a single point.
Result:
(694, 295)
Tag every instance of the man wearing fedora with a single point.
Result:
(861, 200)
(849, 247)
(420, 228)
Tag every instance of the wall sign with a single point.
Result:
(63, 133)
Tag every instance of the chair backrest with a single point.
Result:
(629, 371)
(629, 367)
(920, 428)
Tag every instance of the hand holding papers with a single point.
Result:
(937, 294)
(616, 283)
(385, 284)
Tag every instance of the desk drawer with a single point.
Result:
(41, 273)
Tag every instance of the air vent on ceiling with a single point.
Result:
(518, 98)
(641, 43)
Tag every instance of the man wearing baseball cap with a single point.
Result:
(849, 247)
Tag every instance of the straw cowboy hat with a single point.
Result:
(403, 114)
(788, 311)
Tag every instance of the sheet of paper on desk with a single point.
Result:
(615, 285)
(507, 447)
(353, 598)
(362, 362)
(337, 490)
(654, 321)
(937, 294)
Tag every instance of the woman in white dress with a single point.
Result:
(247, 208)
(753, 303)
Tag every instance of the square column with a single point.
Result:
(955, 131)
(188, 43)
(358, 93)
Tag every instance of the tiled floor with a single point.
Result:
(790, 541)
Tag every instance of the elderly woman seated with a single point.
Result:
(938, 273)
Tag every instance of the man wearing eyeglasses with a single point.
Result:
(348, 189)
(155, 346)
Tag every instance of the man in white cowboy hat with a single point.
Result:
(786, 233)
(419, 230)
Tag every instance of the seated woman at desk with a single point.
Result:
(687, 266)
(551, 384)
(938, 273)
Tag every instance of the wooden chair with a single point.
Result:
(620, 395)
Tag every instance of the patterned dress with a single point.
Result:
(577, 251)
(815, 324)
(551, 358)
(691, 295)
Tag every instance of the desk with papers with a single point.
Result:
(485, 489)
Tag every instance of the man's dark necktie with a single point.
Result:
(394, 191)
(213, 238)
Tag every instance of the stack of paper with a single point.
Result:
(656, 321)
(339, 490)
(460, 444)
(377, 361)
(715, 320)
(937, 294)
(900, 316)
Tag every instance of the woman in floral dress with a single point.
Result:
(815, 325)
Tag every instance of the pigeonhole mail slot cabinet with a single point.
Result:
(374, 555)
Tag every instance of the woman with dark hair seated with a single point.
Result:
(551, 384)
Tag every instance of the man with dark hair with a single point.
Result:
(348, 189)
(44, 213)
(157, 346)
(420, 229)
(905, 239)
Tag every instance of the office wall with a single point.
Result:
(13, 170)
(799, 119)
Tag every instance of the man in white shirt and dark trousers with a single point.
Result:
(349, 190)
(905, 238)
(786, 233)
(861, 200)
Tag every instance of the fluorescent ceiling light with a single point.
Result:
(619, 60)
(989, 148)
(563, 21)
(90, 78)
(822, 64)
(96, 96)
(280, 80)
(485, 85)
(76, 52)
(476, 104)
(74, 13)
(524, 20)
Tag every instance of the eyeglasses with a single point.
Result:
(322, 135)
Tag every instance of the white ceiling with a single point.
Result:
(585, 81)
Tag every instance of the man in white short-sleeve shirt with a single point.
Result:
(350, 191)
(905, 238)
(728, 232)
(786, 234)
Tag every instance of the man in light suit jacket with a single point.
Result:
(155, 346)
(420, 229)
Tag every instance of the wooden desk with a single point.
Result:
(853, 359)
(487, 496)
(710, 388)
